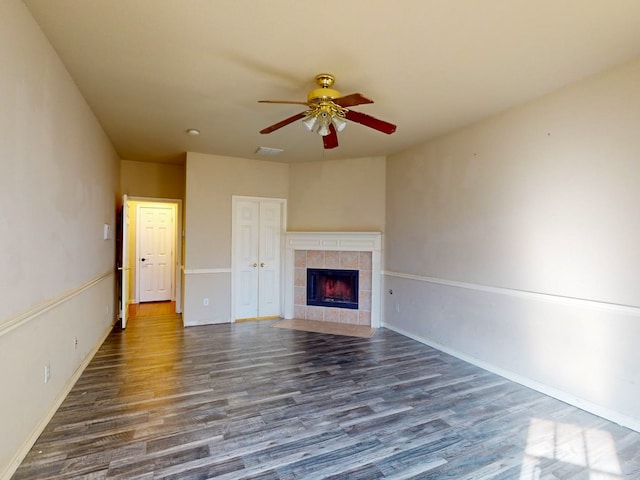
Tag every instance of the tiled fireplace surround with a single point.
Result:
(335, 250)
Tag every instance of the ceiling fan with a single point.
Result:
(328, 112)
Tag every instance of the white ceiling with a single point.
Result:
(151, 69)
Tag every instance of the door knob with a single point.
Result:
(142, 259)
(254, 265)
(262, 264)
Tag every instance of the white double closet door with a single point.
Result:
(257, 245)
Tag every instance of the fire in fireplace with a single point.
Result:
(332, 288)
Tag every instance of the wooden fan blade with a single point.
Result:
(331, 140)
(352, 100)
(294, 102)
(372, 122)
(283, 123)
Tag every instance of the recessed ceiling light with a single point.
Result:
(268, 151)
(193, 132)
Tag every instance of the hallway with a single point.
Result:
(150, 309)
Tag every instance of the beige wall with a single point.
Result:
(211, 182)
(337, 195)
(152, 180)
(537, 199)
(514, 243)
(58, 188)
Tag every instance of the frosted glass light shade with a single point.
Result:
(310, 122)
(339, 123)
(323, 129)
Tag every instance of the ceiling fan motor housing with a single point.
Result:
(325, 92)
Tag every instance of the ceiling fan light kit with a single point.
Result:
(322, 114)
(329, 111)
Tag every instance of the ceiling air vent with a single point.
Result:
(268, 151)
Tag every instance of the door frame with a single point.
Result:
(178, 294)
(123, 262)
(234, 235)
(139, 207)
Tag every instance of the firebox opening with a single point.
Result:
(332, 288)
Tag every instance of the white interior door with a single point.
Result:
(246, 252)
(269, 259)
(257, 234)
(155, 252)
(124, 263)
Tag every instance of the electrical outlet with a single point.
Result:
(75, 343)
(205, 302)
(47, 373)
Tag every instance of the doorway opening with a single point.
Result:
(154, 245)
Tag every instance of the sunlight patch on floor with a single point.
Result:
(590, 448)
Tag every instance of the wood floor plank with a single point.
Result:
(247, 401)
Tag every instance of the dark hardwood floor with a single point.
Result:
(248, 401)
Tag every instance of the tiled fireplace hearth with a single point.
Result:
(334, 252)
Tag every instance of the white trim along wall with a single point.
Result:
(461, 319)
(513, 243)
(24, 338)
(59, 191)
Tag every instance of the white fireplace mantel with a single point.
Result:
(342, 241)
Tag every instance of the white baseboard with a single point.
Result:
(37, 431)
(616, 417)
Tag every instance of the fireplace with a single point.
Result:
(332, 288)
(359, 251)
